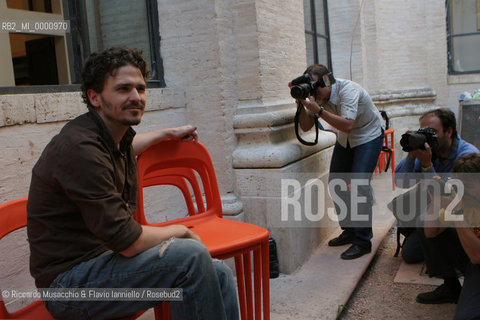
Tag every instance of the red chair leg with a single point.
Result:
(257, 272)
(392, 162)
(247, 269)
(162, 312)
(241, 286)
(266, 279)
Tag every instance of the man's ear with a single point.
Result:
(94, 97)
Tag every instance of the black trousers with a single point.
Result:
(444, 256)
(469, 302)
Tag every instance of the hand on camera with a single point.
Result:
(446, 197)
(424, 156)
(310, 104)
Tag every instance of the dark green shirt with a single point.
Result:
(82, 198)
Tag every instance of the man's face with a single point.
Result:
(323, 94)
(122, 101)
(444, 138)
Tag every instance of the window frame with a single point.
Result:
(450, 36)
(81, 50)
(314, 33)
(78, 49)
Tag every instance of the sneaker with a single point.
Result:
(342, 239)
(442, 294)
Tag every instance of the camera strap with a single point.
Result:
(318, 126)
(388, 151)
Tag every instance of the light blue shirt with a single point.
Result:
(408, 171)
(349, 100)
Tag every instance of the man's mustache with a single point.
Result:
(133, 105)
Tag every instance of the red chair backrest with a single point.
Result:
(182, 178)
(13, 216)
(186, 161)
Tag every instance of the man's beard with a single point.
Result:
(125, 122)
(443, 145)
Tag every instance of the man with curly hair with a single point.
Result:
(82, 201)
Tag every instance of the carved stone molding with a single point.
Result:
(267, 140)
(404, 102)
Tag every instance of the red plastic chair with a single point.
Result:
(13, 216)
(224, 238)
(180, 178)
(387, 153)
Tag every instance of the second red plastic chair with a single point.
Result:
(170, 162)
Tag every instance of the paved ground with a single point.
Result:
(377, 296)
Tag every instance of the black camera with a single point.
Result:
(416, 140)
(304, 85)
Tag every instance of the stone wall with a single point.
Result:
(390, 45)
(28, 122)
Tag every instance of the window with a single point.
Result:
(30, 58)
(57, 58)
(98, 25)
(463, 36)
(317, 32)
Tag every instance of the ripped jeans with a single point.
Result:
(209, 290)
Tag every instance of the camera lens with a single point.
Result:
(413, 141)
(301, 91)
(304, 78)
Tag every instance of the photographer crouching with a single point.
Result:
(346, 106)
(435, 156)
(454, 232)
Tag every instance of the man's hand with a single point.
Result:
(424, 156)
(185, 232)
(184, 133)
(151, 236)
(445, 197)
(310, 104)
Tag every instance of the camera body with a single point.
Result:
(304, 85)
(416, 140)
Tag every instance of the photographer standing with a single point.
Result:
(346, 106)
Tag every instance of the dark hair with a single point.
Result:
(446, 116)
(101, 64)
(469, 163)
(316, 69)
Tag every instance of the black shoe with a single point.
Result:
(341, 240)
(442, 294)
(355, 251)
